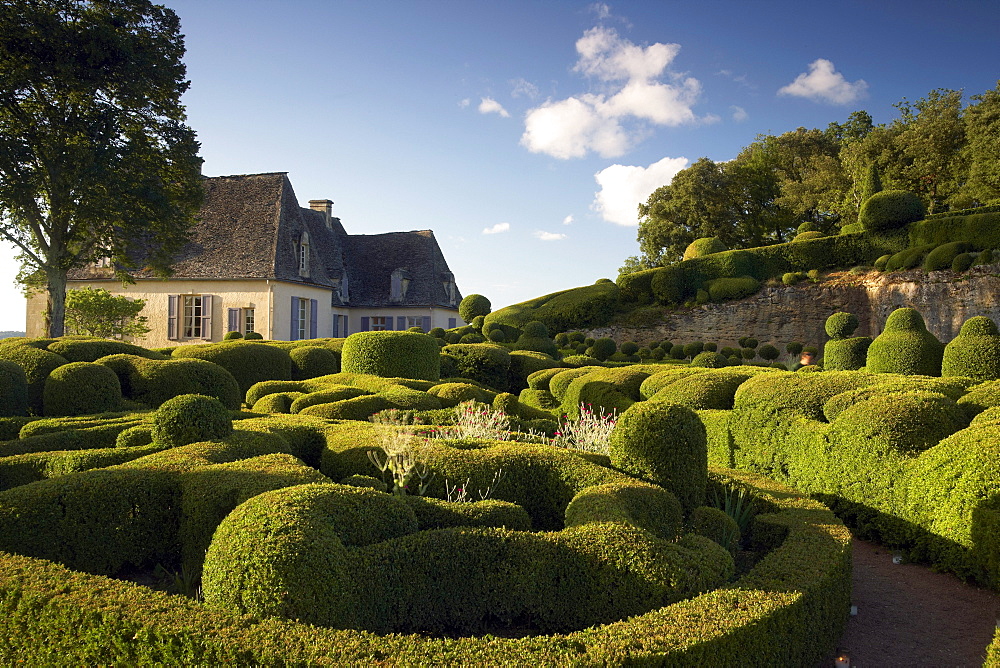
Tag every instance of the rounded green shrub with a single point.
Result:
(365, 481)
(472, 306)
(190, 418)
(630, 348)
(253, 336)
(356, 408)
(81, 388)
(478, 322)
(488, 364)
(560, 382)
(646, 506)
(392, 355)
(909, 258)
(248, 362)
(889, 210)
(906, 421)
(472, 337)
(975, 352)
(666, 444)
(152, 382)
(37, 365)
(806, 236)
(278, 402)
(704, 246)
(768, 352)
(726, 289)
(962, 263)
(496, 336)
(692, 349)
(717, 526)
(437, 332)
(841, 325)
(313, 361)
(702, 297)
(90, 350)
(805, 227)
(13, 390)
(985, 257)
(794, 348)
(980, 397)
(905, 346)
(229, 336)
(604, 348)
(847, 354)
(943, 256)
(711, 390)
(881, 262)
(325, 396)
(709, 360)
(792, 277)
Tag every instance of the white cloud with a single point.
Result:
(491, 106)
(497, 229)
(464, 103)
(593, 122)
(824, 84)
(601, 9)
(568, 220)
(549, 236)
(739, 113)
(624, 187)
(523, 88)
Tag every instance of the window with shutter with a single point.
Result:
(426, 324)
(233, 320)
(293, 321)
(365, 324)
(401, 322)
(172, 301)
(206, 317)
(313, 318)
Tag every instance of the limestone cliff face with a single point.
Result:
(781, 314)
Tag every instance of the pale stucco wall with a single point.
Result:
(271, 301)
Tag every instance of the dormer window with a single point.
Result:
(399, 284)
(450, 289)
(304, 254)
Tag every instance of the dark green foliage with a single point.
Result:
(975, 352)
(806, 236)
(496, 336)
(357, 408)
(588, 306)
(985, 257)
(961, 263)
(905, 346)
(229, 336)
(805, 227)
(580, 360)
(37, 365)
(978, 229)
(267, 387)
(535, 338)
(704, 246)
(472, 338)
(629, 348)
(190, 418)
(666, 444)
(81, 388)
(90, 350)
(846, 354)
(692, 349)
(477, 322)
(437, 332)
(890, 209)
(327, 395)
(717, 526)
(13, 389)
(253, 336)
(794, 348)
(791, 277)
(393, 355)
(539, 380)
(714, 389)
(646, 506)
(524, 363)
(473, 306)
(768, 352)
(711, 346)
(748, 353)
(434, 513)
(702, 297)
(881, 262)
(748, 342)
(488, 364)
(909, 258)
(841, 325)
(152, 382)
(313, 361)
(668, 376)
(452, 394)
(248, 362)
(943, 256)
(365, 481)
(604, 348)
(677, 351)
(709, 360)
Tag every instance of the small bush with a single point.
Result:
(190, 418)
(792, 277)
(704, 246)
(473, 306)
(944, 255)
(392, 355)
(961, 263)
(717, 526)
(905, 346)
(13, 390)
(975, 352)
(806, 236)
(881, 262)
(846, 354)
(253, 336)
(841, 325)
(229, 336)
(890, 209)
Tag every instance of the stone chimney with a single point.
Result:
(324, 205)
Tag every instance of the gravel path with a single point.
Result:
(910, 616)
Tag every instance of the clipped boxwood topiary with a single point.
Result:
(248, 362)
(81, 388)
(604, 348)
(841, 325)
(190, 418)
(806, 236)
(846, 354)
(889, 210)
(716, 525)
(37, 365)
(710, 360)
(313, 361)
(13, 390)
(666, 444)
(473, 306)
(962, 263)
(229, 336)
(975, 352)
(704, 246)
(943, 256)
(881, 262)
(905, 346)
(392, 355)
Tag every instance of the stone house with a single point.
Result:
(258, 262)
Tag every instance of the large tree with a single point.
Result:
(96, 160)
(982, 149)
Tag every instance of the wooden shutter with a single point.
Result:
(388, 322)
(427, 323)
(172, 301)
(233, 324)
(336, 326)
(347, 326)
(364, 324)
(294, 320)
(206, 317)
(401, 323)
(451, 323)
(313, 318)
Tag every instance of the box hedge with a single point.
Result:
(37, 365)
(249, 362)
(975, 352)
(13, 389)
(91, 350)
(485, 363)
(577, 308)
(905, 346)
(151, 382)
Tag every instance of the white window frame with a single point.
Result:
(191, 316)
(247, 320)
(379, 323)
(303, 323)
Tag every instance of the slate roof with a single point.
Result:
(249, 228)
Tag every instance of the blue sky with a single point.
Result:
(525, 133)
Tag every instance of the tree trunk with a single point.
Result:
(56, 282)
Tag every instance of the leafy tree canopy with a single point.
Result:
(96, 312)
(95, 158)
(946, 153)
